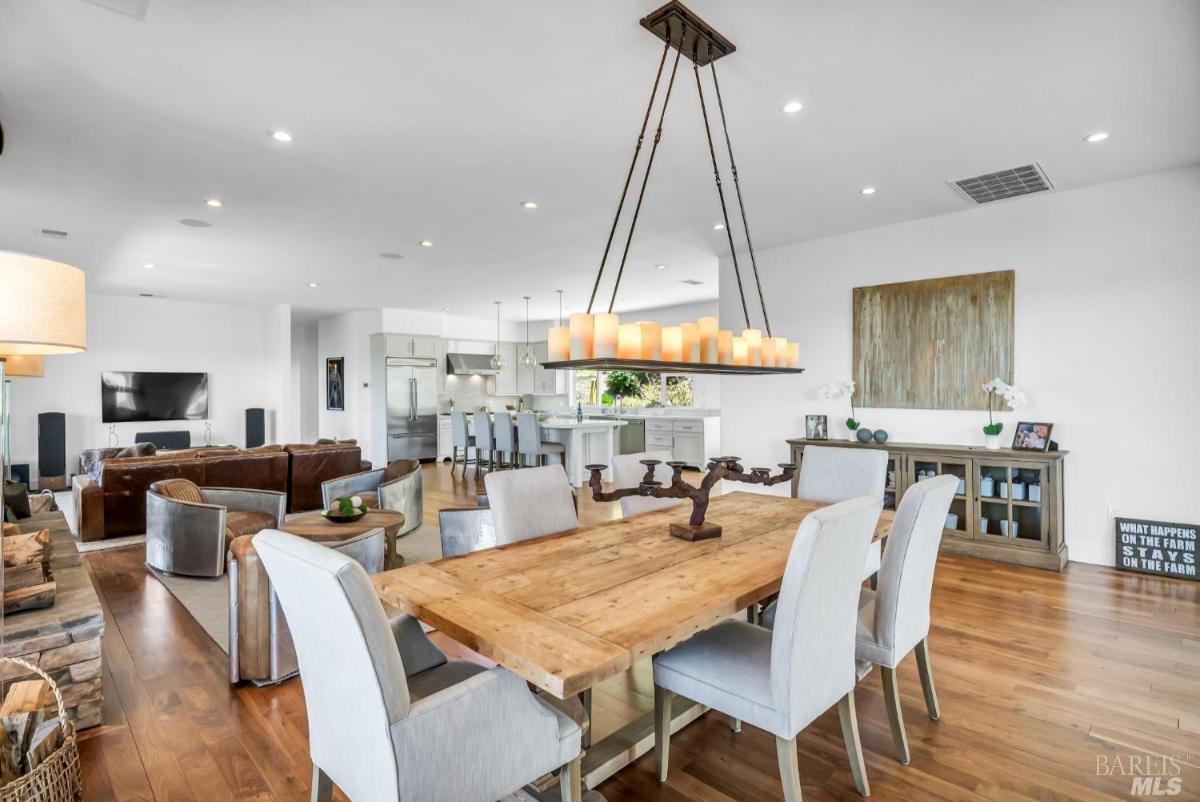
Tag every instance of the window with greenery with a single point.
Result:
(635, 388)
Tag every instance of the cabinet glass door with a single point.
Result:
(1010, 503)
(958, 519)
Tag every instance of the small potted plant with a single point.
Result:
(346, 509)
(838, 389)
(1011, 395)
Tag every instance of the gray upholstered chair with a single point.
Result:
(530, 503)
(529, 440)
(894, 619)
(485, 440)
(466, 529)
(397, 487)
(628, 471)
(781, 680)
(460, 437)
(506, 440)
(830, 474)
(188, 528)
(389, 718)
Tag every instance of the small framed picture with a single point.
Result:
(335, 383)
(1032, 436)
(816, 427)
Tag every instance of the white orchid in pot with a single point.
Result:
(840, 389)
(1011, 395)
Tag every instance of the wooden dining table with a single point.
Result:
(569, 610)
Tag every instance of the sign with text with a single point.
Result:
(1157, 547)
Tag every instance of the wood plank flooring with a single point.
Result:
(1040, 676)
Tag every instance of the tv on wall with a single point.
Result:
(127, 396)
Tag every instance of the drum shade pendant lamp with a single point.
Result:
(599, 340)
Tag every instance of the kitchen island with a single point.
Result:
(586, 443)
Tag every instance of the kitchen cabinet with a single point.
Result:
(444, 438)
(547, 382)
(506, 379)
(690, 440)
(412, 345)
(689, 448)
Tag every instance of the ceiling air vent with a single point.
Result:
(130, 8)
(1003, 184)
(54, 233)
(691, 281)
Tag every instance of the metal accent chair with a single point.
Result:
(829, 474)
(485, 440)
(396, 487)
(628, 471)
(530, 443)
(260, 642)
(460, 437)
(530, 503)
(389, 717)
(784, 679)
(188, 528)
(506, 440)
(466, 529)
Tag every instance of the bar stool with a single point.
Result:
(485, 440)
(506, 440)
(460, 437)
(529, 441)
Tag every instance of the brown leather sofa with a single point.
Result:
(310, 465)
(115, 505)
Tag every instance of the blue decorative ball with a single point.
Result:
(865, 435)
(881, 436)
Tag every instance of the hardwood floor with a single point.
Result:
(1040, 676)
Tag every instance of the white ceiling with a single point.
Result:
(417, 120)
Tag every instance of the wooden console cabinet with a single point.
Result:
(1020, 521)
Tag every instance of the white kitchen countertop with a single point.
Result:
(571, 423)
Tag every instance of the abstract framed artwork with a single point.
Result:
(335, 383)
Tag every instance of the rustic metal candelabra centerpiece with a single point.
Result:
(718, 468)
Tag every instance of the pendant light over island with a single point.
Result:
(600, 340)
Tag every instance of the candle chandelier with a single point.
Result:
(602, 341)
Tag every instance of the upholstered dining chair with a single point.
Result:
(389, 718)
(530, 503)
(506, 440)
(188, 528)
(397, 487)
(466, 529)
(460, 437)
(529, 440)
(894, 619)
(830, 474)
(781, 680)
(485, 440)
(628, 471)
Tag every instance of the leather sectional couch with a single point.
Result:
(110, 498)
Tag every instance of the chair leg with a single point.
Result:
(478, 459)
(322, 786)
(735, 724)
(891, 700)
(926, 672)
(570, 781)
(789, 768)
(453, 459)
(849, 720)
(662, 731)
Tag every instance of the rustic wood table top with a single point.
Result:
(571, 609)
(314, 526)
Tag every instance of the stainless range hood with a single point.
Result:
(470, 365)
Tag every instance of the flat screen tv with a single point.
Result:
(127, 396)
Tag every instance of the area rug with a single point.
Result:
(207, 600)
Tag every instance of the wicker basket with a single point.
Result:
(57, 778)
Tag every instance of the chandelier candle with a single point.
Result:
(725, 347)
(781, 352)
(708, 340)
(753, 340)
(651, 340)
(629, 341)
(558, 344)
(739, 351)
(793, 355)
(605, 336)
(768, 351)
(691, 341)
(672, 344)
(582, 329)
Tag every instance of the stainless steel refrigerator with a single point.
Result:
(411, 408)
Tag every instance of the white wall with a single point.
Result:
(229, 343)
(306, 381)
(348, 335)
(1107, 339)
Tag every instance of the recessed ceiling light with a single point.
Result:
(214, 202)
(148, 266)
(868, 190)
(1099, 136)
(281, 136)
(445, 309)
(425, 243)
(661, 267)
(529, 204)
(313, 285)
(391, 255)
(792, 106)
(718, 227)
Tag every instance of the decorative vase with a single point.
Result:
(1035, 492)
(865, 435)
(853, 436)
(992, 441)
(962, 486)
(881, 436)
(983, 526)
(951, 520)
(987, 487)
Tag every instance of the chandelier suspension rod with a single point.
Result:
(720, 192)
(646, 176)
(636, 150)
(737, 186)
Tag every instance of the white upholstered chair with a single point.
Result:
(389, 718)
(460, 437)
(485, 440)
(628, 471)
(781, 680)
(529, 440)
(830, 474)
(530, 503)
(894, 619)
(506, 439)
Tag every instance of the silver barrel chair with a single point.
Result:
(396, 487)
(188, 527)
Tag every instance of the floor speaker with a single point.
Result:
(256, 427)
(52, 450)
